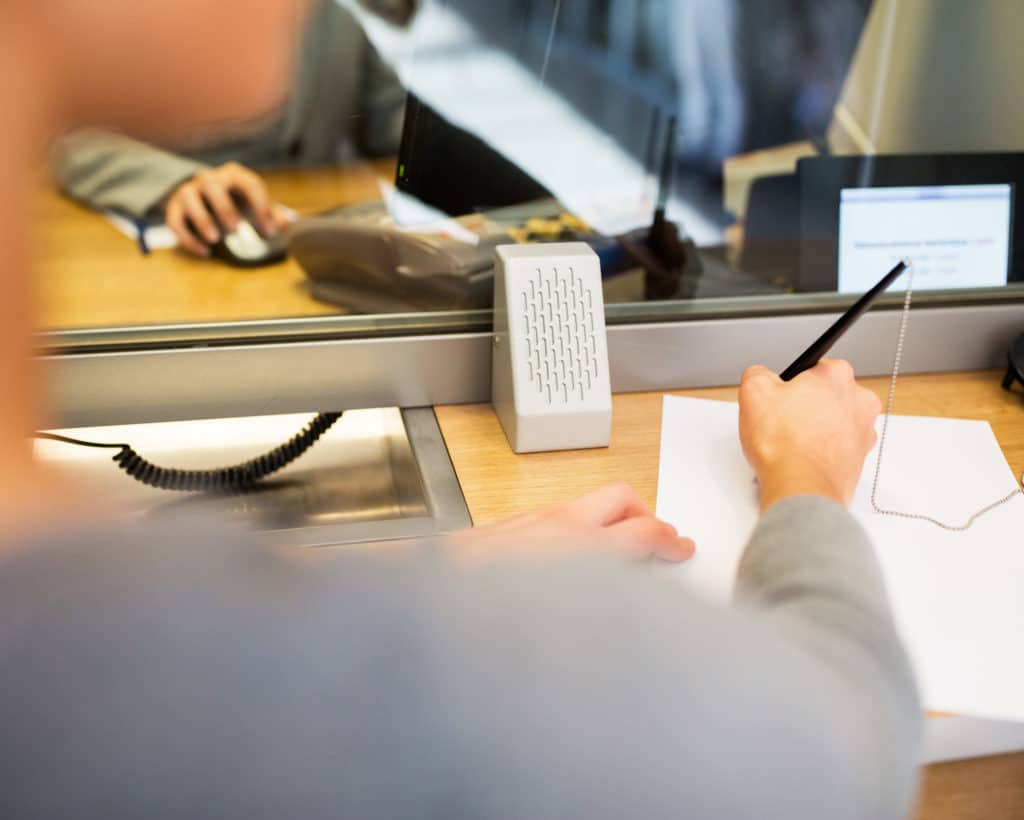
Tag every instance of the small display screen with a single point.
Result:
(956, 236)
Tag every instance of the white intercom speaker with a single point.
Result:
(550, 383)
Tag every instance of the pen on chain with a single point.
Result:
(824, 343)
(821, 345)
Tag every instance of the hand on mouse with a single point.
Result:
(209, 202)
(809, 436)
(613, 517)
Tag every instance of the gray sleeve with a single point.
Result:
(811, 574)
(602, 693)
(382, 107)
(188, 671)
(107, 170)
(382, 96)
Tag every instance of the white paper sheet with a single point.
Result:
(958, 597)
(158, 237)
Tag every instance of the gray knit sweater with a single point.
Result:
(187, 673)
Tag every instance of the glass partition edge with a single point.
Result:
(421, 370)
(340, 328)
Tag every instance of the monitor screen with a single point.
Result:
(956, 236)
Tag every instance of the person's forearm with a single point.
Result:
(111, 171)
(809, 552)
(811, 571)
(797, 480)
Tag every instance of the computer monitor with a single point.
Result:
(954, 215)
(957, 236)
(434, 153)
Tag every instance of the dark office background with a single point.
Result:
(740, 74)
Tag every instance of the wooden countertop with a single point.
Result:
(497, 484)
(91, 275)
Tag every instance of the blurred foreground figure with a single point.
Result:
(343, 103)
(525, 670)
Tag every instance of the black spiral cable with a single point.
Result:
(221, 479)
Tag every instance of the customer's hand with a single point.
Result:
(807, 436)
(210, 202)
(613, 518)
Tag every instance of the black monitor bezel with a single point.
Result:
(822, 179)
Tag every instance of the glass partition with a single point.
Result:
(722, 158)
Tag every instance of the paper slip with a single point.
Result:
(158, 237)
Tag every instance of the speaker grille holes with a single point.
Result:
(559, 341)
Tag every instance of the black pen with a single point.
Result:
(140, 234)
(813, 354)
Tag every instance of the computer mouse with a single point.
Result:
(246, 247)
